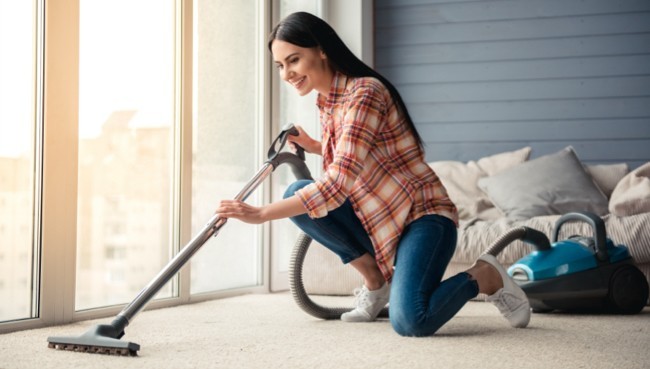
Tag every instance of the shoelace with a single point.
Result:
(361, 297)
(507, 303)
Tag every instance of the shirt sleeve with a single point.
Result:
(363, 115)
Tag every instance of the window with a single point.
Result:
(226, 138)
(18, 158)
(126, 148)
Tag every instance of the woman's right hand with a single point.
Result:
(303, 140)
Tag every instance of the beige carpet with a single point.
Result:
(269, 331)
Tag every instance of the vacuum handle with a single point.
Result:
(597, 224)
(278, 144)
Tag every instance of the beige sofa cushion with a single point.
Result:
(461, 181)
(607, 176)
(632, 193)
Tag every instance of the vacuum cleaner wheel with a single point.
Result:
(628, 290)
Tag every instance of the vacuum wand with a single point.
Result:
(105, 338)
(210, 229)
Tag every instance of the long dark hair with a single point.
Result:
(307, 30)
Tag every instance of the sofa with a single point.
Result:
(499, 192)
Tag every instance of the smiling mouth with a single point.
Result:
(298, 83)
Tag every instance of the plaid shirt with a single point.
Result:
(371, 158)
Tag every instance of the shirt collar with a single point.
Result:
(337, 91)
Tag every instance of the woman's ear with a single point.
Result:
(323, 55)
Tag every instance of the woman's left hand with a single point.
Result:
(240, 210)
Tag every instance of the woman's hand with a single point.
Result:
(241, 210)
(284, 208)
(303, 140)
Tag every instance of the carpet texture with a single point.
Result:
(270, 331)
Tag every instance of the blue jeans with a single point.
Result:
(420, 303)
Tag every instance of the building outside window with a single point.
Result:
(126, 148)
(19, 70)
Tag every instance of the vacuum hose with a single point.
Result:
(302, 299)
(297, 287)
(528, 235)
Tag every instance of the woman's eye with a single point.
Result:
(293, 61)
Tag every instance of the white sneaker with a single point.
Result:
(511, 300)
(369, 304)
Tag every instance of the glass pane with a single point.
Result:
(126, 115)
(300, 110)
(17, 159)
(226, 139)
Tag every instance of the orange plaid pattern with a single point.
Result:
(371, 158)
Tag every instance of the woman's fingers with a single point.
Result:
(304, 140)
(239, 210)
(300, 138)
(229, 208)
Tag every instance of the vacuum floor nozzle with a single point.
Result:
(100, 339)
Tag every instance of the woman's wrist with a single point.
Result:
(316, 147)
(284, 208)
(264, 214)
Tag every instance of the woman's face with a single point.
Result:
(306, 69)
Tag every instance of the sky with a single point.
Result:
(126, 63)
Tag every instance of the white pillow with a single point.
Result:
(548, 185)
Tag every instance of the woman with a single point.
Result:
(378, 205)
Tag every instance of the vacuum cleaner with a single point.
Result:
(579, 274)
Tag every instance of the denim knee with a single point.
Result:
(408, 324)
(295, 186)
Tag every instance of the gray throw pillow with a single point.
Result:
(549, 185)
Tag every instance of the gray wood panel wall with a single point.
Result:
(482, 77)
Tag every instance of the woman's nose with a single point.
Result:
(287, 74)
